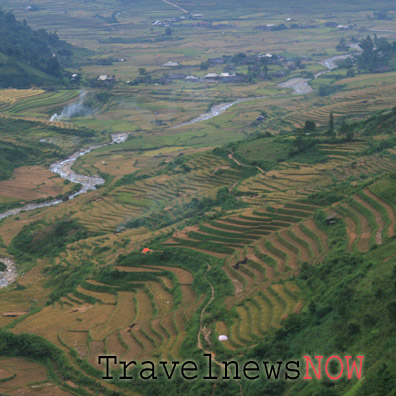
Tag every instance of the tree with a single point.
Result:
(342, 45)
(346, 130)
(265, 69)
(168, 31)
(204, 65)
(309, 127)
(381, 15)
(142, 71)
(300, 139)
(366, 44)
(238, 58)
(350, 73)
(330, 131)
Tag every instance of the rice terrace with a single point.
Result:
(197, 198)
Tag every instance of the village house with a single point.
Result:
(211, 76)
(192, 78)
(106, 78)
(332, 219)
(171, 64)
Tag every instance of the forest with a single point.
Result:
(30, 56)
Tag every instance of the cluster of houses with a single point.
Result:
(209, 78)
(171, 21)
(338, 26)
(257, 67)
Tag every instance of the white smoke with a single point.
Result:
(73, 110)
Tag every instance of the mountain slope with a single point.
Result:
(29, 56)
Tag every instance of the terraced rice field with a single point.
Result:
(265, 247)
(138, 321)
(21, 377)
(264, 244)
(28, 104)
(9, 97)
(353, 103)
(369, 220)
(208, 173)
(41, 184)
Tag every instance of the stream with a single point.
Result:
(215, 111)
(9, 275)
(301, 86)
(63, 169)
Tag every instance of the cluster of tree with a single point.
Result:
(27, 53)
(378, 55)
(110, 19)
(12, 156)
(39, 239)
(344, 130)
(379, 123)
(196, 208)
(328, 89)
(23, 153)
(381, 15)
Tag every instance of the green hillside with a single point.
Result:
(30, 57)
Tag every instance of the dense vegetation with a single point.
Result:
(29, 56)
(12, 156)
(23, 152)
(39, 239)
(336, 322)
(378, 55)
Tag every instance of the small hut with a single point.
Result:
(332, 219)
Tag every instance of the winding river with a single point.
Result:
(89, 183)
(298, 84)
(63, 169)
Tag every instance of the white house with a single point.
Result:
(170, 64)
(191, 78)
(106, 77)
